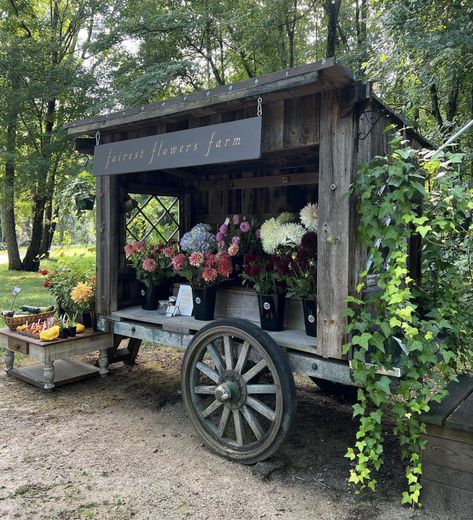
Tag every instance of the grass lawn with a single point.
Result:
(31, 284)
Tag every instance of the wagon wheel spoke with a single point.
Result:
(261, 408)
(205, 389)
(240, 436)
(223, 421)
(261, 389)
(248, 376)
(208, 371)
(211, 409)
(227, 345)
(243, 357)
(215, 357)
(253, 422)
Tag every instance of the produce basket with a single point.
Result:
(15, 321)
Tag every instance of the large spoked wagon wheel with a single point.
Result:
(238, 390)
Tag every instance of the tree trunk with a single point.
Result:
(8, 192)
(332, 10)
(436, 106)
(42, 193)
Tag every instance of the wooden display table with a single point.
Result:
(55, 369)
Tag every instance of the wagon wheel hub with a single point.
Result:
(225, 392)
(231, 390)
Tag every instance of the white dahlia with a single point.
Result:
(310, 216)
(293, 234)
(272, 234)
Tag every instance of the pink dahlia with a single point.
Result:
(169, 251)
(233, 250)
(225, 267)
(149, 265)
(178, 261)
(209, 274)
(139, 245)
(129, 249)
(223, 229)
(196, 259)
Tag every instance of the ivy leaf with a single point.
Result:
(423, 230)
(383, 384)
(362, 341)
(358, 409)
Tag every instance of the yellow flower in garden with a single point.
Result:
(81, 293)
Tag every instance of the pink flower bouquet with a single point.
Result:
(202, 269)
(152, 262)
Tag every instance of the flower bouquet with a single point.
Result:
(266, 274)
(302, 279)
(238, 236)
(153, 268)
(203, 267)
(83, 302)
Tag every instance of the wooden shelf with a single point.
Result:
(293, 339)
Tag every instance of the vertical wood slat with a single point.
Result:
(336, 244)
(107, 244)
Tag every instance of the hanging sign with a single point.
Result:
(213, 144)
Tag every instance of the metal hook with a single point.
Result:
(97, 138)
(259, 109)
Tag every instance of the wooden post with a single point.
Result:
(336, 237)
(107, 244)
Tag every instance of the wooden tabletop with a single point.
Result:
(88, 333)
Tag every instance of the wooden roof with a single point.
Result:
(313, 77)
(321, 75)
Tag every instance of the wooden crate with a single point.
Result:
(448, 459)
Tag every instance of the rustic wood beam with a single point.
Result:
(283, 180)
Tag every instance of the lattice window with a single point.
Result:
(153, 218)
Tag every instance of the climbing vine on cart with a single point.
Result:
(423, 328)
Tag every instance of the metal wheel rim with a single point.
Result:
(255, 424)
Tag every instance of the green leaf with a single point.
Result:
(383, 384)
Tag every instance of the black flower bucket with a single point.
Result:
(204, 302)
(271, 311)
(310, 317)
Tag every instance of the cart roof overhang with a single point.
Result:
(305, 79)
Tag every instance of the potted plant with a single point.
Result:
(203, 267)
(153, 268)
(302, 279)
(73, 325)
(61, 282)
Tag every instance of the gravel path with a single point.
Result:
(121, 448)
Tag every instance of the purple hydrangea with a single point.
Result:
(199, 238)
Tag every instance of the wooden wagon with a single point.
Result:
(257, 147)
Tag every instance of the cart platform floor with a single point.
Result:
(293, 339)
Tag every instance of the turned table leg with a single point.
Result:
(103, 363)
(9, 360)
(49, 375)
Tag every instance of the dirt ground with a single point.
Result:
(122, 448)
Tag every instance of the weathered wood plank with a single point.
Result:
(462, 417)
(454, 502)
(279, 180)
(107, 244)
(448, 476)
(457, 393)
(335, 242)
(449, 454)
(273, 126)
(301, 121)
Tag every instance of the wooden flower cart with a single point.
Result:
(257, 147)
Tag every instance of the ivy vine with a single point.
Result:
(421, 326)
